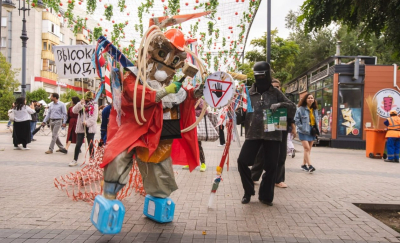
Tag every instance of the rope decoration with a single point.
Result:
(86, 184)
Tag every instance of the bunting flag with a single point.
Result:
(107, 81)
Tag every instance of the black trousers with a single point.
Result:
(247, 157)
(79, 141)
(221, 134)
(257, 168)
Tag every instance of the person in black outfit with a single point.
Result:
(257, 168)
(221, 135)
(263, 96)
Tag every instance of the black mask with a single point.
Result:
(262, 74)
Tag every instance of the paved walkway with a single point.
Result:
(314, 208)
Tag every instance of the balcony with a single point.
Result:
(51, 37)
(49, 16)
(48, 55)
(81, 37)
(49, 75)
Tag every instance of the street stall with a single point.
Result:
(341, 84)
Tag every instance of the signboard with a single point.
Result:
(350, 122)
(75, 61)
(303, 84)
(388, 99)
(292, 87)
(218, 89)
(275, 121)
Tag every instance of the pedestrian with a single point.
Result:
(87, 111)
(71, 120)
(9, 120)
(105, 114)
(292, 134)
(22, 123)
(263, 96)
(257, 168)
(35, 117)
(306, 120)
(57, 115)
(393, 137)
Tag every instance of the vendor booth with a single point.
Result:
(340, 84)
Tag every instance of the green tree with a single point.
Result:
(370, 17)
(8, 84)
(67, 96)
(319, 45)
(283, 53)
(39, 94)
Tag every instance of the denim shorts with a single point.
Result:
(306, 137)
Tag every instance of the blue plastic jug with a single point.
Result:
(159, 209)
(107, 215)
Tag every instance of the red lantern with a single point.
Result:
(101, 19)
(197, 1)
(105, 5)
(242, 1)
(187, 4)
(61, 4)
(178, 10)
(236, 13)
(152, 15)
(113, 21)
(59, 15)
(79, 3)
(106, 30)
(219, 18)
(165, 7)
(195, 8)
(231, 31)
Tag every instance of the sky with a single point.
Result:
(279, 10)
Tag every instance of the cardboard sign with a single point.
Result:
(275, 121)
(218, 89)
(75, 61)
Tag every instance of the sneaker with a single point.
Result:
(49, 151)
(289, 154)
(26, 148)
(33, 140)
(311, 169)
(186, 167)
(293, 153)
(304, 167)
(221, 145)
(17, 148)
(203, 167)
(73, 163)
(281, 185)
(63, 150)
(58, 150)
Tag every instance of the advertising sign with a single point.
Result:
(388, 99)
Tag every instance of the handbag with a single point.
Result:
(206, 131)
(314, 131)
(11, 115)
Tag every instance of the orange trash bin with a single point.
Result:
(375, 142)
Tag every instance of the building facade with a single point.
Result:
(45, 29)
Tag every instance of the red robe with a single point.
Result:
(130, 134)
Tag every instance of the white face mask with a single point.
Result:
(160, 75)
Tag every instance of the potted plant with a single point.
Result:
(375, 138)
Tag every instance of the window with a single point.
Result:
(52, 28)
(3, 41)
(44, 46)
(61, 37)
(3, 21)
(49, 48)
(71, 41)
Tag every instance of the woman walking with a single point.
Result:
(22, 123)
(72, 118)
(306, 120)
(87, 111)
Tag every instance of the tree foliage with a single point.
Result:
(67, 96)
(368, 17)
(38, 95)
(283, 53)
(8, 84)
